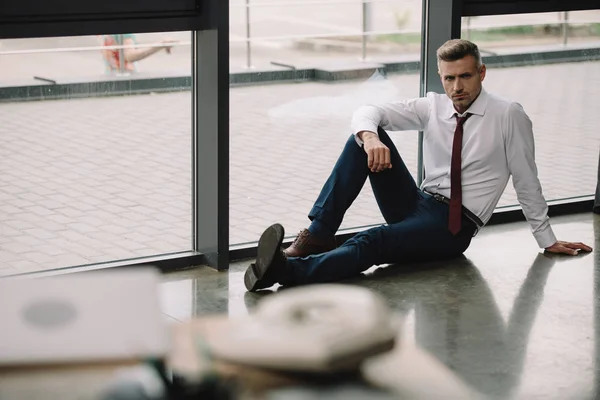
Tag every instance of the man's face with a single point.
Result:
(462, 81)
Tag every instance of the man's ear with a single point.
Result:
(482, 71)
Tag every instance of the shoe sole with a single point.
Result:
(268, 246)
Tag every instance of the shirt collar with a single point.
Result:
(478, 106)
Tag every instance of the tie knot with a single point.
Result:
(461, 120)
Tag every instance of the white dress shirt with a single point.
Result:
(497, 143)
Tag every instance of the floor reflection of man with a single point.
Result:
(458, 321)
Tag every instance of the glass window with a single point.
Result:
(286, 135)
(505, 32)
(547, 62)
(89, 172)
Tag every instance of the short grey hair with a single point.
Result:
(456, 49)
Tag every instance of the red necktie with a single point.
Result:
(454, 220)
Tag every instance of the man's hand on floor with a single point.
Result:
(571, 248)
(378, 153)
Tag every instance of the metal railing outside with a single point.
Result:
(363, 30)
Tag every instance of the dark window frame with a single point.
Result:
(474, 8)
(39, 18)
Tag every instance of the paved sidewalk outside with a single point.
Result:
(92, 180)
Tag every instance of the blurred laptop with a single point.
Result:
(101, 316)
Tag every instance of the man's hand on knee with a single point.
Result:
(378, 153)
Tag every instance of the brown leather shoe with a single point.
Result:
(307, 244)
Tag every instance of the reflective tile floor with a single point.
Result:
(508, 320)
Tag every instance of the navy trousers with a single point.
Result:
(416, 224)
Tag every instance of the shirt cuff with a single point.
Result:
(359, 141)
(545, 238)
(365, 127)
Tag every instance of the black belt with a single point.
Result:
(474, 218)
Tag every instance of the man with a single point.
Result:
(473, 142)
